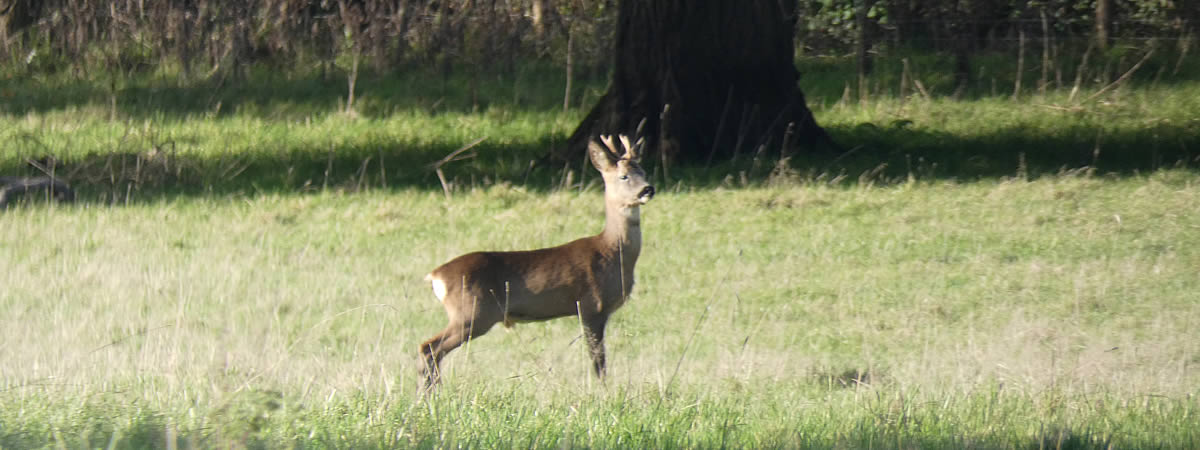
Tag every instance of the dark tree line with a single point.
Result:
(210, 36)
(204, 36)
(836, 24)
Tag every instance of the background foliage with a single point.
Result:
(208, 37)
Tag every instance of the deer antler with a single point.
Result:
(632, 151)
(611, 149)
(629, 151)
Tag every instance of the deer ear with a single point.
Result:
(603, 159)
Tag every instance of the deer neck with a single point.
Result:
(623, 231)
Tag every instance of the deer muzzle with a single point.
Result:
(646, 194)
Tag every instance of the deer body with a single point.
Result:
(589, 278)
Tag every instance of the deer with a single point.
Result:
(590, 277)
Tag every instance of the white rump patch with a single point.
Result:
(439, 287)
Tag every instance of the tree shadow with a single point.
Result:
(900, 151)
(878, 154)
(123, 177)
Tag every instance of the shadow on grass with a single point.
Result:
(897, 150)
(878, 155)
(122, 177)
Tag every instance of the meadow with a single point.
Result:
(243, 269)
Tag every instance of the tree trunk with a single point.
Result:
(963, 32)
(15, 15)
(898, 12)
(700, 77)
(862, 47)
(1103, 18)
(537, 14)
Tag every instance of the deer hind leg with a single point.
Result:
(432, 352)
(453, 336)
(594, 331)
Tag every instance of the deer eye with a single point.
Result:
(624, 177)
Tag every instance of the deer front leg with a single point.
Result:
(594, 331)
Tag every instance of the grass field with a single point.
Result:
(979, 273)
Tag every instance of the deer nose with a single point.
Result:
(647, 193)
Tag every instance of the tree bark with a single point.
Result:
(862, 47)
(963, 32)
(702, 79)
(15, 15)
(537, 15)
(1103, 18)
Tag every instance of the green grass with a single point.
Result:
(993, 314)
(252, 278)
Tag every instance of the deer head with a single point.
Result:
(624, 180)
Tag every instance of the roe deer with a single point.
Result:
(589, 277)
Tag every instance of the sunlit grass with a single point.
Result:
(996, 313)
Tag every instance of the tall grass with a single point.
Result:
(996, 313)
